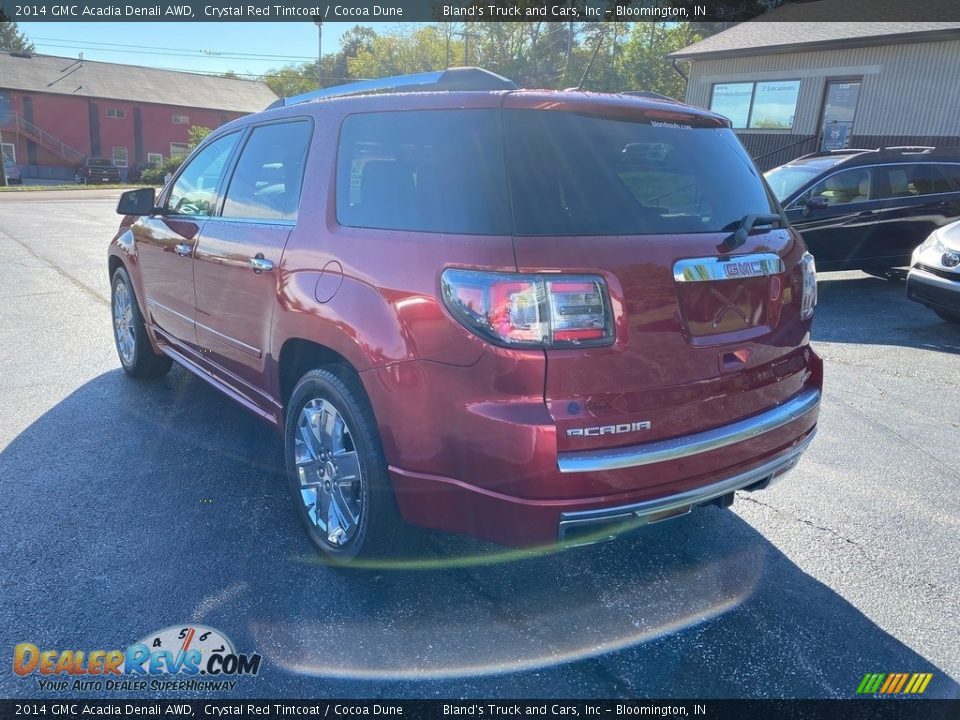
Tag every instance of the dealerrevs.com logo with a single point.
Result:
(191, 657)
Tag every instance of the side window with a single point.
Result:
(913, 180)
(848, 186)
(266, 182)
(953, 173)
(432, 171)
(194, 192)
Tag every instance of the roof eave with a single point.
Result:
(913, 37)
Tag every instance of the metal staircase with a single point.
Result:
(19, 125)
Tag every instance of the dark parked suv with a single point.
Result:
(485, 310)
(868, 209)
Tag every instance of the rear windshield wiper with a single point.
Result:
(750, 221)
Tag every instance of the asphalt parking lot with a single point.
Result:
(129, 507)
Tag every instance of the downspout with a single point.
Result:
(678, 71)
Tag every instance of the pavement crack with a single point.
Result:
(926, 585)
(56, 268)
(808, 523)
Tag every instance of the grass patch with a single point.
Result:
(72, 186)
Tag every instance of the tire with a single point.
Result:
(79, 179)
(949, 317)
(129, 333)
(336, 468)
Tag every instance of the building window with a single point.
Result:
(120, 157)
(154, 159)
(181, 120)
(764, 105)
(9, 151)
(181, 149)
(116, 113)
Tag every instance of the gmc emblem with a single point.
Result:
(745, 269)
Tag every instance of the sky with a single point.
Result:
(245, 47)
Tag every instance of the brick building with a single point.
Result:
(56, 111)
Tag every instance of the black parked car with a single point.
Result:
(97, 170)
(868, 209)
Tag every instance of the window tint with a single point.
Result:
(579, 175)
(911, 180)
(194, 192)
(847, 186)
(267, 179)
(433, 171)
(953, 173)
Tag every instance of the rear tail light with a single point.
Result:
(809, 298)
(516, 310)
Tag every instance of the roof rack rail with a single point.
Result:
(908, 148)
(843, 151)
(459, 78)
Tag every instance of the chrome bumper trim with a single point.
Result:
(688, 498)
(682, 447)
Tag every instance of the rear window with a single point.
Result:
(567, 174)
(574, 174)
(431, 171)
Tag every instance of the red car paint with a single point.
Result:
(473, 431)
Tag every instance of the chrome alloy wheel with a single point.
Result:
(123, 323)
(331, 482)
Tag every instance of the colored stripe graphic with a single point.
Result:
(870, 683)
(918, 683)
(894, 683)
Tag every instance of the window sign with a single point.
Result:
(733, 101)
(774, 103)
(764, 105)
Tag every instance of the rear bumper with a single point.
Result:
(750, 453)
(935, 292)
(681, 503)
(683, 447)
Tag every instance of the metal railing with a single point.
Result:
(41, 137)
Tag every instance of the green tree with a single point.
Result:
(197, 134)
(643, 63)
(400, 53)
(292, 79)
(12, 39)
(354, 41)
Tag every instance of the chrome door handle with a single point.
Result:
(182, 249)
(261, 264)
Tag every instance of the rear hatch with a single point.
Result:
(648, 196)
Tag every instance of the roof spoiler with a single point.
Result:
(460, 78)
(651, 95)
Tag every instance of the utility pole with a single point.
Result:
(319, 24)
(3, 164)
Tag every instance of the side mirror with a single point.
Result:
(137, 202)
(811, 204)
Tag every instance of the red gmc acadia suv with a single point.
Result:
(530, 316)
